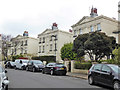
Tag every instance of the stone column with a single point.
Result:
(44, 62)
(72, 66)
(66, 63)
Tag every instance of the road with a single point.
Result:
(26, 79)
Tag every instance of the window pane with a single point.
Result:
(97, 67)
(80, 31)
(105, 68)
(98, 27)
(91, 28)
(75, 33)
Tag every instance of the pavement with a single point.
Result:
(77, 75)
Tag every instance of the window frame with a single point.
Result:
(107, 67)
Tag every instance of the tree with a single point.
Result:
(5, 45)
(116, 53)
(66, 52)
(96, 45)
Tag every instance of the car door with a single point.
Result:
(17, 63)
(96, 72)
(20, 64)
(48, 67)
(30, 65)
(106, 75)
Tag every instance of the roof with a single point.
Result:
(50, 31)
(20, 36)
(87, 19)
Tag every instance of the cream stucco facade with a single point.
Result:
(51, 42)
(119, 21)
(98, 23)
(24, 45)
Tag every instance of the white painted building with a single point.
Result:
(52, 40)
(119, 21)
(24, 45)
(94, 23)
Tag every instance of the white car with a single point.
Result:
(21, 63)
(3, 79)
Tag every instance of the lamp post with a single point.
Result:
(55, 45)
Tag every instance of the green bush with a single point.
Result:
(109, 61)
(48, 59)
(84, 65)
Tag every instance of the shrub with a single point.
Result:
(84, 66)
(48, 59)
(109, 61)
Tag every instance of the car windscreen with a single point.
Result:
(37, 62)
(59, 65)
(25, 61)
(115, 68)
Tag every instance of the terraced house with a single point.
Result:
(94, 23)
(23, 44)
(52, 40)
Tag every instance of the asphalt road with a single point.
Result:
(26, 79)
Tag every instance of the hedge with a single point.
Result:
(84, 66)
(45, 58)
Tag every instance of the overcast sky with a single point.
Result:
(35, 16)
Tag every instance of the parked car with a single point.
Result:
(106, 74)
(9, 64)
(54, 69)
(34, 65)
(3, 79)
(21, 63)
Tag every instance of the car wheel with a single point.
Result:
(51, 72)
(64, 74)
(90, 80)
(6, 88)
(5, 66)
(22, 68)
(116, 85)
(33, 70)
(15, 68)
(43, 72)
(27, 69)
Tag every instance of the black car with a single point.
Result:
(106, 74)
(34, 65)
(55, 68)
(9, 64)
